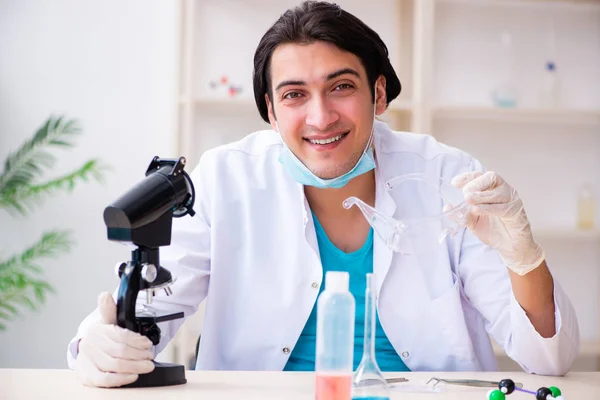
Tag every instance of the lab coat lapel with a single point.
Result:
(310, 235)
(385, 204)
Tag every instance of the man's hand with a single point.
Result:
(499, 220)
(109, 355)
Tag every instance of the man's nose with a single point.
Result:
(320, 114)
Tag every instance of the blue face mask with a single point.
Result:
(303, 175)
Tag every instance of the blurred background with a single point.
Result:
(515, 83)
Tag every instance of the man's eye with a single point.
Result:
(343, 86)
(291, 95)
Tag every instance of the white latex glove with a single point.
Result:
(499, 220)
(111, 356)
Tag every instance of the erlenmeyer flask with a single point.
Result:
(368, 382)
(417, 229)
(454, 209)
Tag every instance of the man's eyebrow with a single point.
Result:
(329, 77)
(289, 83)
(341, 72)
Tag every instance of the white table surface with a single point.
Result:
(216, 385)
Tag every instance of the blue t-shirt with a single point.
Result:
(357, 264)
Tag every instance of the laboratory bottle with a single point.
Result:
(504, 94)
(585, 211)
(335, 338)
(549, 90)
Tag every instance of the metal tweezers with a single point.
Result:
(470, 382)
(396, 380)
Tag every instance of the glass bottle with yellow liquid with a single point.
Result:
(586, 204)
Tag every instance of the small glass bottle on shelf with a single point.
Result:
(586, 205)
(549, 87)
(549, 84)
(505, 94)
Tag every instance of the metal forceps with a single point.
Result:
(470, 382)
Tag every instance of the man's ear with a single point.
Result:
(271, 114)
(380, 95)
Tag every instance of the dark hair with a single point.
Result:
(314, 21)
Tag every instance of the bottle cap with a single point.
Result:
(337, 281)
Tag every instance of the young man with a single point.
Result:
(270, 223)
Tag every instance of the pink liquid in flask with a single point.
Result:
(333, 387)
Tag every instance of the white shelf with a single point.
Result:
(400, 106)
(517, 114)
(219, 101)
(567, 234)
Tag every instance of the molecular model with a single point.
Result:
(232, 90)
(507, 386)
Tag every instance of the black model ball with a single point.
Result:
(543, 393)
(506, 386)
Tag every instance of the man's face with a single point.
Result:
(323, 103)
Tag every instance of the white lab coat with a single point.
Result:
(251, 251)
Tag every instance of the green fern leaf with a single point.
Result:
(23, 200)
(57, 142)
(30, 296)
(10, 204)
(7, 306)
(17, 286)
(20, 276)
(50, 244)
(24, 165)
(40, 288)
(36, 269)
(23, 299)
(40, 295)
(5, 316)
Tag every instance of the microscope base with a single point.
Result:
(164, 374)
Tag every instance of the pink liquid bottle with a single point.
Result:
(335, 338)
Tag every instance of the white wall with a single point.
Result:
(113, 65)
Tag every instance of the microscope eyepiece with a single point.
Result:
(143, 215)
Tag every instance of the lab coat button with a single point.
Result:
(405, 354)
(286, 350)
(314, 285)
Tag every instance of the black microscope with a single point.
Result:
(144, 216)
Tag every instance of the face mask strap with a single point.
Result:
(371, 137)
